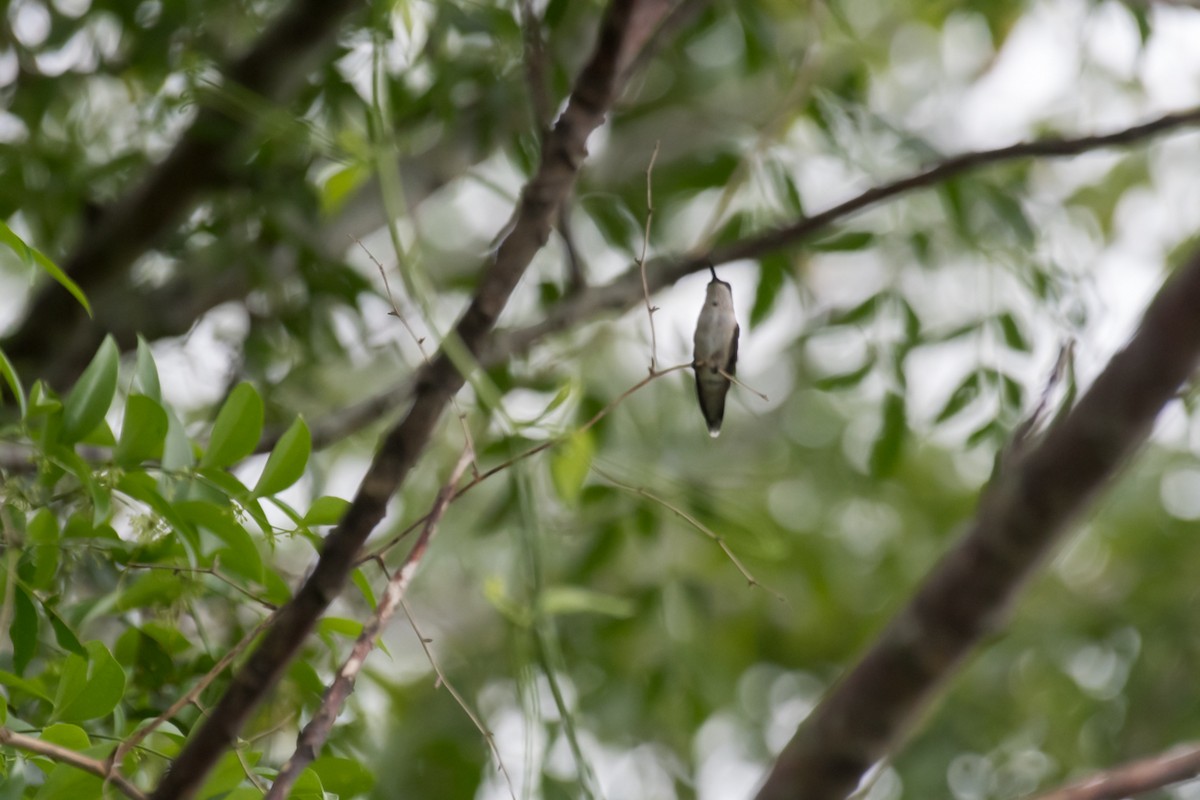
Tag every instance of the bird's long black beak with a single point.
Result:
(713, 270)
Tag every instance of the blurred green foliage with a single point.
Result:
(591, 600)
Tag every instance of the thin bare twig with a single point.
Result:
(642, 259)
(315, 733)
(732, 379)
(1136, 777)
(63, 755)
(214, 572)
(695, 523)
(458, 698)
(420, 342)
(546, 445)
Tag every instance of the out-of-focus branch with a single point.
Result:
(273, 69)
(313, 737)
(64, 755)
(626, 26)
(1021, 515)
(1133, 778)
(626, 290)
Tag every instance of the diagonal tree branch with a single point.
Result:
(1021, 515)
(1133, 778)
(626, 290)
(65, 755)
(274, 69)
(626, 26)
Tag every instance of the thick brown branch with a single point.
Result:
(65, 755)
(1021, 515)
(626, 25)
(272, 69)
(1136, 777)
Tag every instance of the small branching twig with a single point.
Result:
(650, 309)
(442, 680)
(314, 734)
(63, 755)
(420, 342)
(695, 523)
(546, 445)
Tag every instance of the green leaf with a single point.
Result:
(23, 630)
(308, 786)
(345, 777)
(228, 774)
(100, 495)
(349, 628)
(237, 429)
(556, 600)
(142, 487)
(44, 537)
(570, 463)
(326, 510)
(846, 242)
(885, 453)
(93, 688)
(146, 372)
(178, 452)
(92, 394)
(70, 736)
(35, 258)
(242, 555)
(846, 379)
(340, 185)
(966, 392)
(1008, 208)
(33, 688)
(63, 634)
(236, 491)
(9, 373)
(856, 314)
(156, 589)
(772, 274)
(364, 586)
(143, 432)
(1013, 337)
(287, 460)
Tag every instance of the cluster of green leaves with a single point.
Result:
(121, 551)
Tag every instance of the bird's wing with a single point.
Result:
(731, 366)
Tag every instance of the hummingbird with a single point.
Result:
(715, 355)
